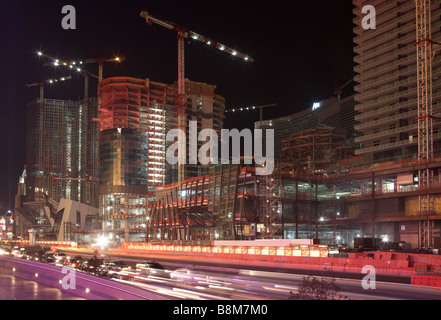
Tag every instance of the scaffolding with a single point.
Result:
(271, 204)
(315, 150)
(180, 212)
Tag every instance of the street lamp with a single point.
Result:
(102, 241)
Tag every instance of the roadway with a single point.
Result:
(14, 288)
(207, 281)
(218, 283)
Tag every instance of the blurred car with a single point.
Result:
(75, 262)
(115, 265)
(28, 255)
(182, 274)
(60, 258)
(15, 252)
(94, 266)
(23, 255)
(151, 268)
(48, 257)
(39, 255)
(18, 252)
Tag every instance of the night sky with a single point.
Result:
(299, 48)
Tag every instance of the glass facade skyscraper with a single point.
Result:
(123, 178)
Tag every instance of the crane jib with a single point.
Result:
(185, 33)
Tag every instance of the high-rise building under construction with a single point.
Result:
(387, 81)
(62, 150)
(135, 116)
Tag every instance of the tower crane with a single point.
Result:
(41, 84)
(424, 45)
(254, 108)
(76, 64)
(183, 34)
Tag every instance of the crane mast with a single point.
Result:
(425, 117)
(181, 105)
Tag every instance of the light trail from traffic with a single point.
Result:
(261, 285)
(201, 282)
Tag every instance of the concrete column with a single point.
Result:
(32, 234)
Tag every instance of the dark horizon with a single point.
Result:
(298, 50)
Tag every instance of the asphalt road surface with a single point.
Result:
(214, 282)
(14, 288)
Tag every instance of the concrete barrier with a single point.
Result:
(75, 282)
(426, 281)
(353, 263)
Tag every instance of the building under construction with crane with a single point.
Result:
(61, 150)
(62, 139)
(388, 187)
(232, 202)
(327, 197)
(128, 156)
(385, 185)
(135, 116)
